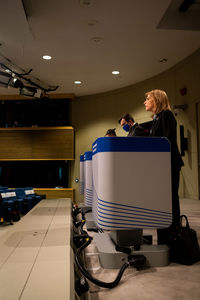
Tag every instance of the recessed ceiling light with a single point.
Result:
(47, 57)
(92, 22)
(77, 82)
(163, 60)
(97, 39)
(115, 72)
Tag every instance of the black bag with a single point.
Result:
(184, 248)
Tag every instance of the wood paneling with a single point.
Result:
(37, 143)
(50, 96)
(55, 193)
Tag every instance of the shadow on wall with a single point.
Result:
(184, 187)
(189, 151)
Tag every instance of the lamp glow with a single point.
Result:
(46, 57)
(115, 72)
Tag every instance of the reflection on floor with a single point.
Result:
(172, 282)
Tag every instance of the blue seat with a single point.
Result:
(29, 191)
(29, 196)
(29, 202)
(3, 188)
(10, 206)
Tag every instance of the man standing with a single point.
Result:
(129, 125)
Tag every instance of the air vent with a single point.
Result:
(86, 3)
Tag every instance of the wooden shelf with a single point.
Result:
(37, 143)
(45, 146)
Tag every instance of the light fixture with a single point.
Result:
(16, 83)
(46, 57)
(77, 82)
(38, 94)
(115, 72)
(97, 39)
(5, 79)
(8, 77)
(28, 91)
(163, 60)
(92, 22)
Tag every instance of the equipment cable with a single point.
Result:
(108, 285)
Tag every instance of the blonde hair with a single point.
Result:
(161, 100)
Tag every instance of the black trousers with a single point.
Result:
(175, 197)
(163, 235)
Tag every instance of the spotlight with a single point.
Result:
(16, 83)
(38, 93)
(5, 78)
(28, 91)
(10, 77)
(31, 91)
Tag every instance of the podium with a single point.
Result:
(81, 181)
(131, 192)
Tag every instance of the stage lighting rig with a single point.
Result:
(9, 77)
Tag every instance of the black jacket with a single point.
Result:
(164, 125)
(136, 130)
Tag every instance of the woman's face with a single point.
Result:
(150, 103)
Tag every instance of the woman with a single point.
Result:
(164, 125)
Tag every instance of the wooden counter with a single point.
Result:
(52, 193)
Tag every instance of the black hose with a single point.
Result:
(81, 228)
(85, 212)
(88, 210)
(108, 285)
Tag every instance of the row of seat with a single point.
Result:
(15, 203)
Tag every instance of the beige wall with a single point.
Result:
(93, 115)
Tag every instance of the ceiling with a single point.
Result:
(88, 39)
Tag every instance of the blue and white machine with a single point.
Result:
(132, 190)
(88, 190)
(86, 177)
(132, 181)
(82, 181)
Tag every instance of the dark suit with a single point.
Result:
(136, 130)
(164, 125)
